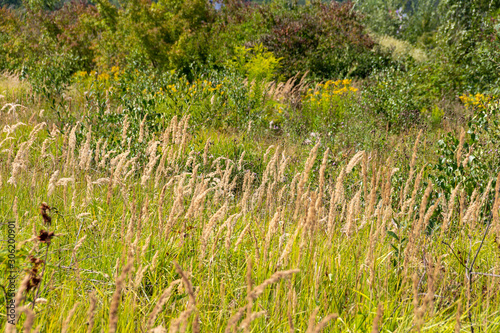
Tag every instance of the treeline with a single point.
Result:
(328, 40)
(413, 58)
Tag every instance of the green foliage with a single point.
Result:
(434, 115)
(221, 100)
(409, 20)
(328, 40)
(393, 96)
(471, 162)
(325, 107)
(256, 63)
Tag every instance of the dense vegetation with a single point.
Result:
(263, 166)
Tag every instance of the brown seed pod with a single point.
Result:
(45, 236)
(44, 208)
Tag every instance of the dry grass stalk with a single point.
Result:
(154, 262)
(354, 161)
(470, 212)
(240, 161)
(177, 207)
(119, 164)
(22, 156)
(228, 224)
(496, 207)
(412, 170)
(378, 318)
(205, 152)
(187, 283)
(97, 152)
(78, 244)
(197, 201)
(387, 186)
(226, 177)
(139, 275)
(415, 302)
(430, 211)
(364, 171)
(130, 165)
(271, 196)
(282, 167)
(115, 301)
(451, 207)
(322, 324)
(85, 152)
(161, 302)
(68, 318)
(321, 185)
(52, 183)
(283, 260)
(417, 228)
(141, 129)
(458, 325)
(352, 212)
(233, 320)
(193, 181)
(249, 290)
(247, 186)
(153, 159)
(169, 134)
(305, 176)
(466, 158)
(19, 163)
(183, 134)
(308, 222)
(207, 228)
(257, 291)
(245, 324)
(191, 305)
(30, 319)
(43, 152)
(290, 321)
(273, 224)
(125, 127)
(485, 194)
(372, 198)
(293, 186)
(175, 326)
(89, 191)
(416, 187)
(339, 187)
(266, 176)
(313, 328)
(18, 299)
(423, 206)
(91, 312)
(337, 196)
(242, 235)
(70, 155)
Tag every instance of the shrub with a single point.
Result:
(256, 63)
(326, 39)
(392, 95)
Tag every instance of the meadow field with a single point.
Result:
(154, 184)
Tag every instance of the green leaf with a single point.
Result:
(392, 234)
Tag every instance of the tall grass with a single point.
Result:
(177, 240)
